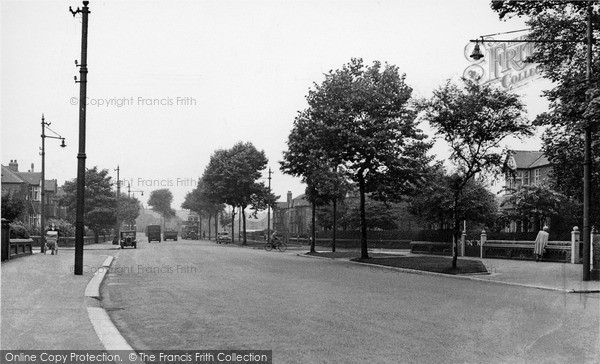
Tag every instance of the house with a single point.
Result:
(527, 168)
(293, 216)
(27, 186)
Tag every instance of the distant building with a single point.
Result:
(28, 186)
(293, 216)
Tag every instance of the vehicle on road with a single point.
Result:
(189, 234)
(223, 237)
(170, 234)
(128, 238)
(153, 233)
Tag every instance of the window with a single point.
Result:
(526, 178)
(35, 193)
(536, 176)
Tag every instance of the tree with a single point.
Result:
(100, 201)
(198, 200)
(574, 101)
(231, 177)
(535, 204)
(129, 208)
(13, 208)
(473, 119)
(359, 118)
(435, 202)
(160, 201)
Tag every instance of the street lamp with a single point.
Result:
(45, 126)
(477, 55)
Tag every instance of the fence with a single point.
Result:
(556, 251)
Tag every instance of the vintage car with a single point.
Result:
(170, 234)
(127, 238)
(223, 237)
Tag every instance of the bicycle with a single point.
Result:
(275, 245)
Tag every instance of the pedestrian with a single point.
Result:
(541, 241)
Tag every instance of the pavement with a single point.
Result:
(45, 306)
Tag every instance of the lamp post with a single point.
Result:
(83, 70)
(477, 55)
(45, 126)
(269, 211)
(118, 223)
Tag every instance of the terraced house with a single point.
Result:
(27, 186)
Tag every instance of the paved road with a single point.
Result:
(199, 295)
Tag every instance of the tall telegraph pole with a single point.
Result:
(587, 160)
(79, 222)
(269, 210)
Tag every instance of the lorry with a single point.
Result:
(170, 234)
(153, 233)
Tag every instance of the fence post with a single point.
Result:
(575, 245)
(463, 240)
(481, 242)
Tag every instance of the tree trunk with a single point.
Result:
(232, 224)
(200, 226)
(313, 233)
(209, 226)
(216, 224)
(334, 225)
(244, 242)
(364, 252)
(456, 232)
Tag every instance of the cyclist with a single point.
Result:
(275, 239)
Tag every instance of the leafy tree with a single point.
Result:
(231, 176)
(435, 202)
(65, 227)
(473, 119)
(100, 201)
(160, 201)
(129, 208)
(13, 208)
(574, 103)
(359, 118)
(535, 203)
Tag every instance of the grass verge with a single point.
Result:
(434, 264)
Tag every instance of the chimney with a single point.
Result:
(13, 165)
(289, 198)
(31, 167)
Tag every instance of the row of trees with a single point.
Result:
(232, 178)
(361, 127)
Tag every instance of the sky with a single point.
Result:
(170, 82)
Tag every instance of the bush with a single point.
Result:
(18, 230)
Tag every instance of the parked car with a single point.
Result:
(223, 237)
(127, 238)
(153, 233)
(171, 234)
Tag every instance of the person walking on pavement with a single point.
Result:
(541, 241)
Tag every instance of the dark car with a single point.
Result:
(153, 233)
(223, 237)
(170, 235)
(127, 238)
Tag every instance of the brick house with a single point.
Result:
(530, 168)
(27, 186)
(293, 216)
